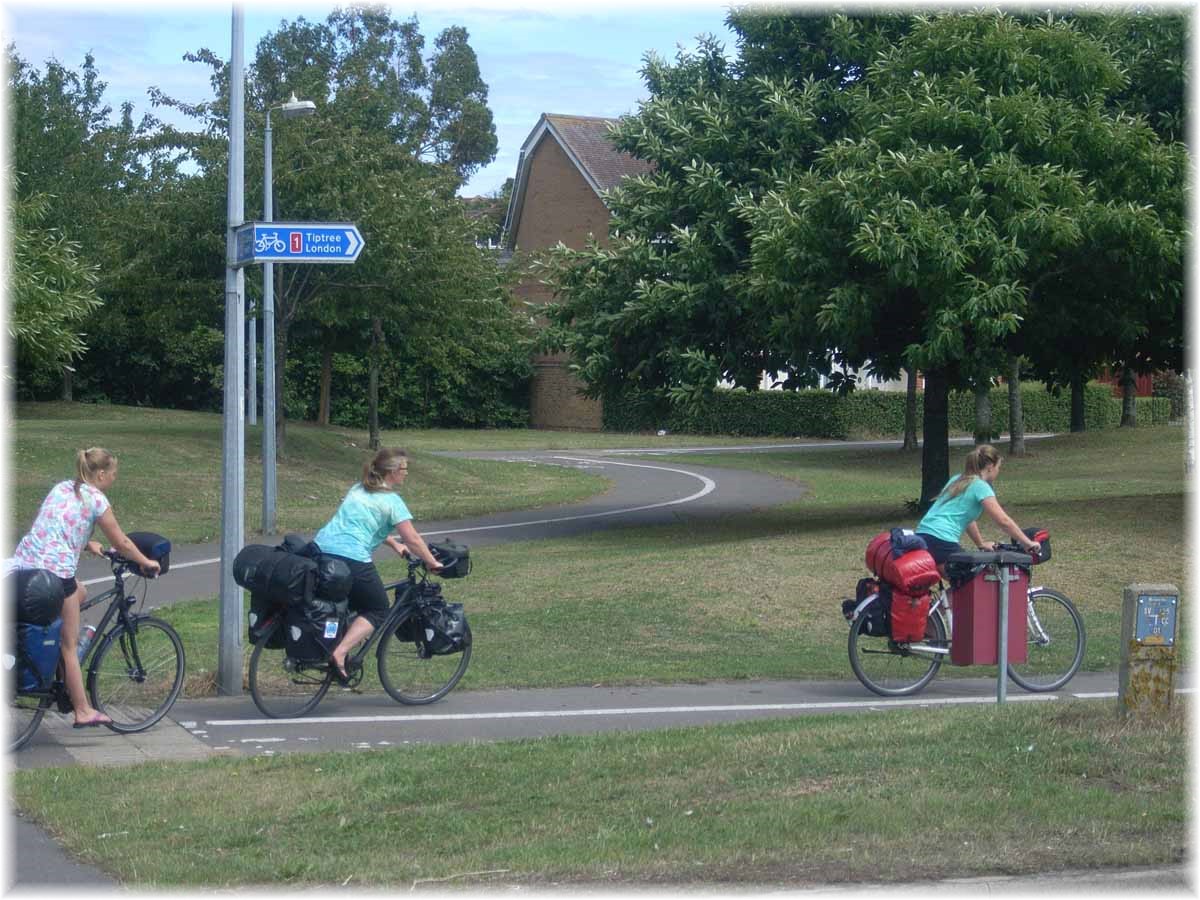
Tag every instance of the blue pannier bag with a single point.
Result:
(37, 654)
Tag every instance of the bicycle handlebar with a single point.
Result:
(120, 562)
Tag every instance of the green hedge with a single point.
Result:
(821, 414)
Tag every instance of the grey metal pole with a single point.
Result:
(268, 314)
(251, 366)
(229, 626)
(1002, 641)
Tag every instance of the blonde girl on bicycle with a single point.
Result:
(58, 537)
(961, 502)
(371, 514)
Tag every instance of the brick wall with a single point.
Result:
(559, 206)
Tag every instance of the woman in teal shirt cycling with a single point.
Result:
(371, 514)
(961, 502)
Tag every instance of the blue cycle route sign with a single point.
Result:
(297, 242)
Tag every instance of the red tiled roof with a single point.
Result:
(587, 139)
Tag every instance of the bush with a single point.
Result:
(1172, 387)
(823, 414)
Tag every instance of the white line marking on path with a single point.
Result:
(629, 711)
(174, 566)
(708, 488)
(662, 710)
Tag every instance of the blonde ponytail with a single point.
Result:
(90, 462)
(386, 461)
(977, 460)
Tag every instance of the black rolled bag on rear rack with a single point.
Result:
(297, 581)
(35, 596)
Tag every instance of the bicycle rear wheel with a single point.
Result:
(137, 674)
(25, 713)
(411, 675)
(894, 670)
(1055, 641)
(283, 688)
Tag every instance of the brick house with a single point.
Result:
(564, 165)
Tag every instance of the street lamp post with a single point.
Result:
(292, 109)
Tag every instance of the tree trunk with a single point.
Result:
(1128, 398)
(1016, 413)
(68, 384)
(373, 383)
(281, 341)
(326, 385)
(910, 411)
(1078, 420)
(935, 454)
(983, 413)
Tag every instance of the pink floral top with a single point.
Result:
(62, 529)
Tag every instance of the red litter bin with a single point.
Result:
(975, 608)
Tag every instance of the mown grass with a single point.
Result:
(895, 798)
(170, 476)
(758, 595)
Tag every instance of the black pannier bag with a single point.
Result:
(155, 546)
(454, 557)
(278, 575)
(879, 622)
(36, 596)
(877, 614)
(262, 610)
(313, 629)
(333, 578)
(444, 627)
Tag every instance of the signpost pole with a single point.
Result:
(251, 366)
(268, 313)
(229, 630)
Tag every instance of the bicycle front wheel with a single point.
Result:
(1055, 643)
(137, 674)
(411, 675)
(25, 714)
(895, 670)
(284, 688)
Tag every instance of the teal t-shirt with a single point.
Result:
(949, 516)
(361, 523)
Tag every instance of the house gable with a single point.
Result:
(582, 142)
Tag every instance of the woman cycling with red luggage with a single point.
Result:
(964, 498)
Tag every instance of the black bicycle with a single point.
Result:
(414, 668)
(133, 670)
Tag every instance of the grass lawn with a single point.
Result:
(170, 478)
(758, 596)
(894, 797)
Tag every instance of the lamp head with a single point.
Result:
(294, 108)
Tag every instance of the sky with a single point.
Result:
(535, 56)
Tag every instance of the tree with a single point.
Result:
(972, 178)
(881, 192)
(52, 290)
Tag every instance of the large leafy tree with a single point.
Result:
(52, 290)
(887, 192)
(985, 163)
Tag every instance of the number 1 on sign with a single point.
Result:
(297, 239)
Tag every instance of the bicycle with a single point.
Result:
(1055, 643)
(285, 688)
(133, 670)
